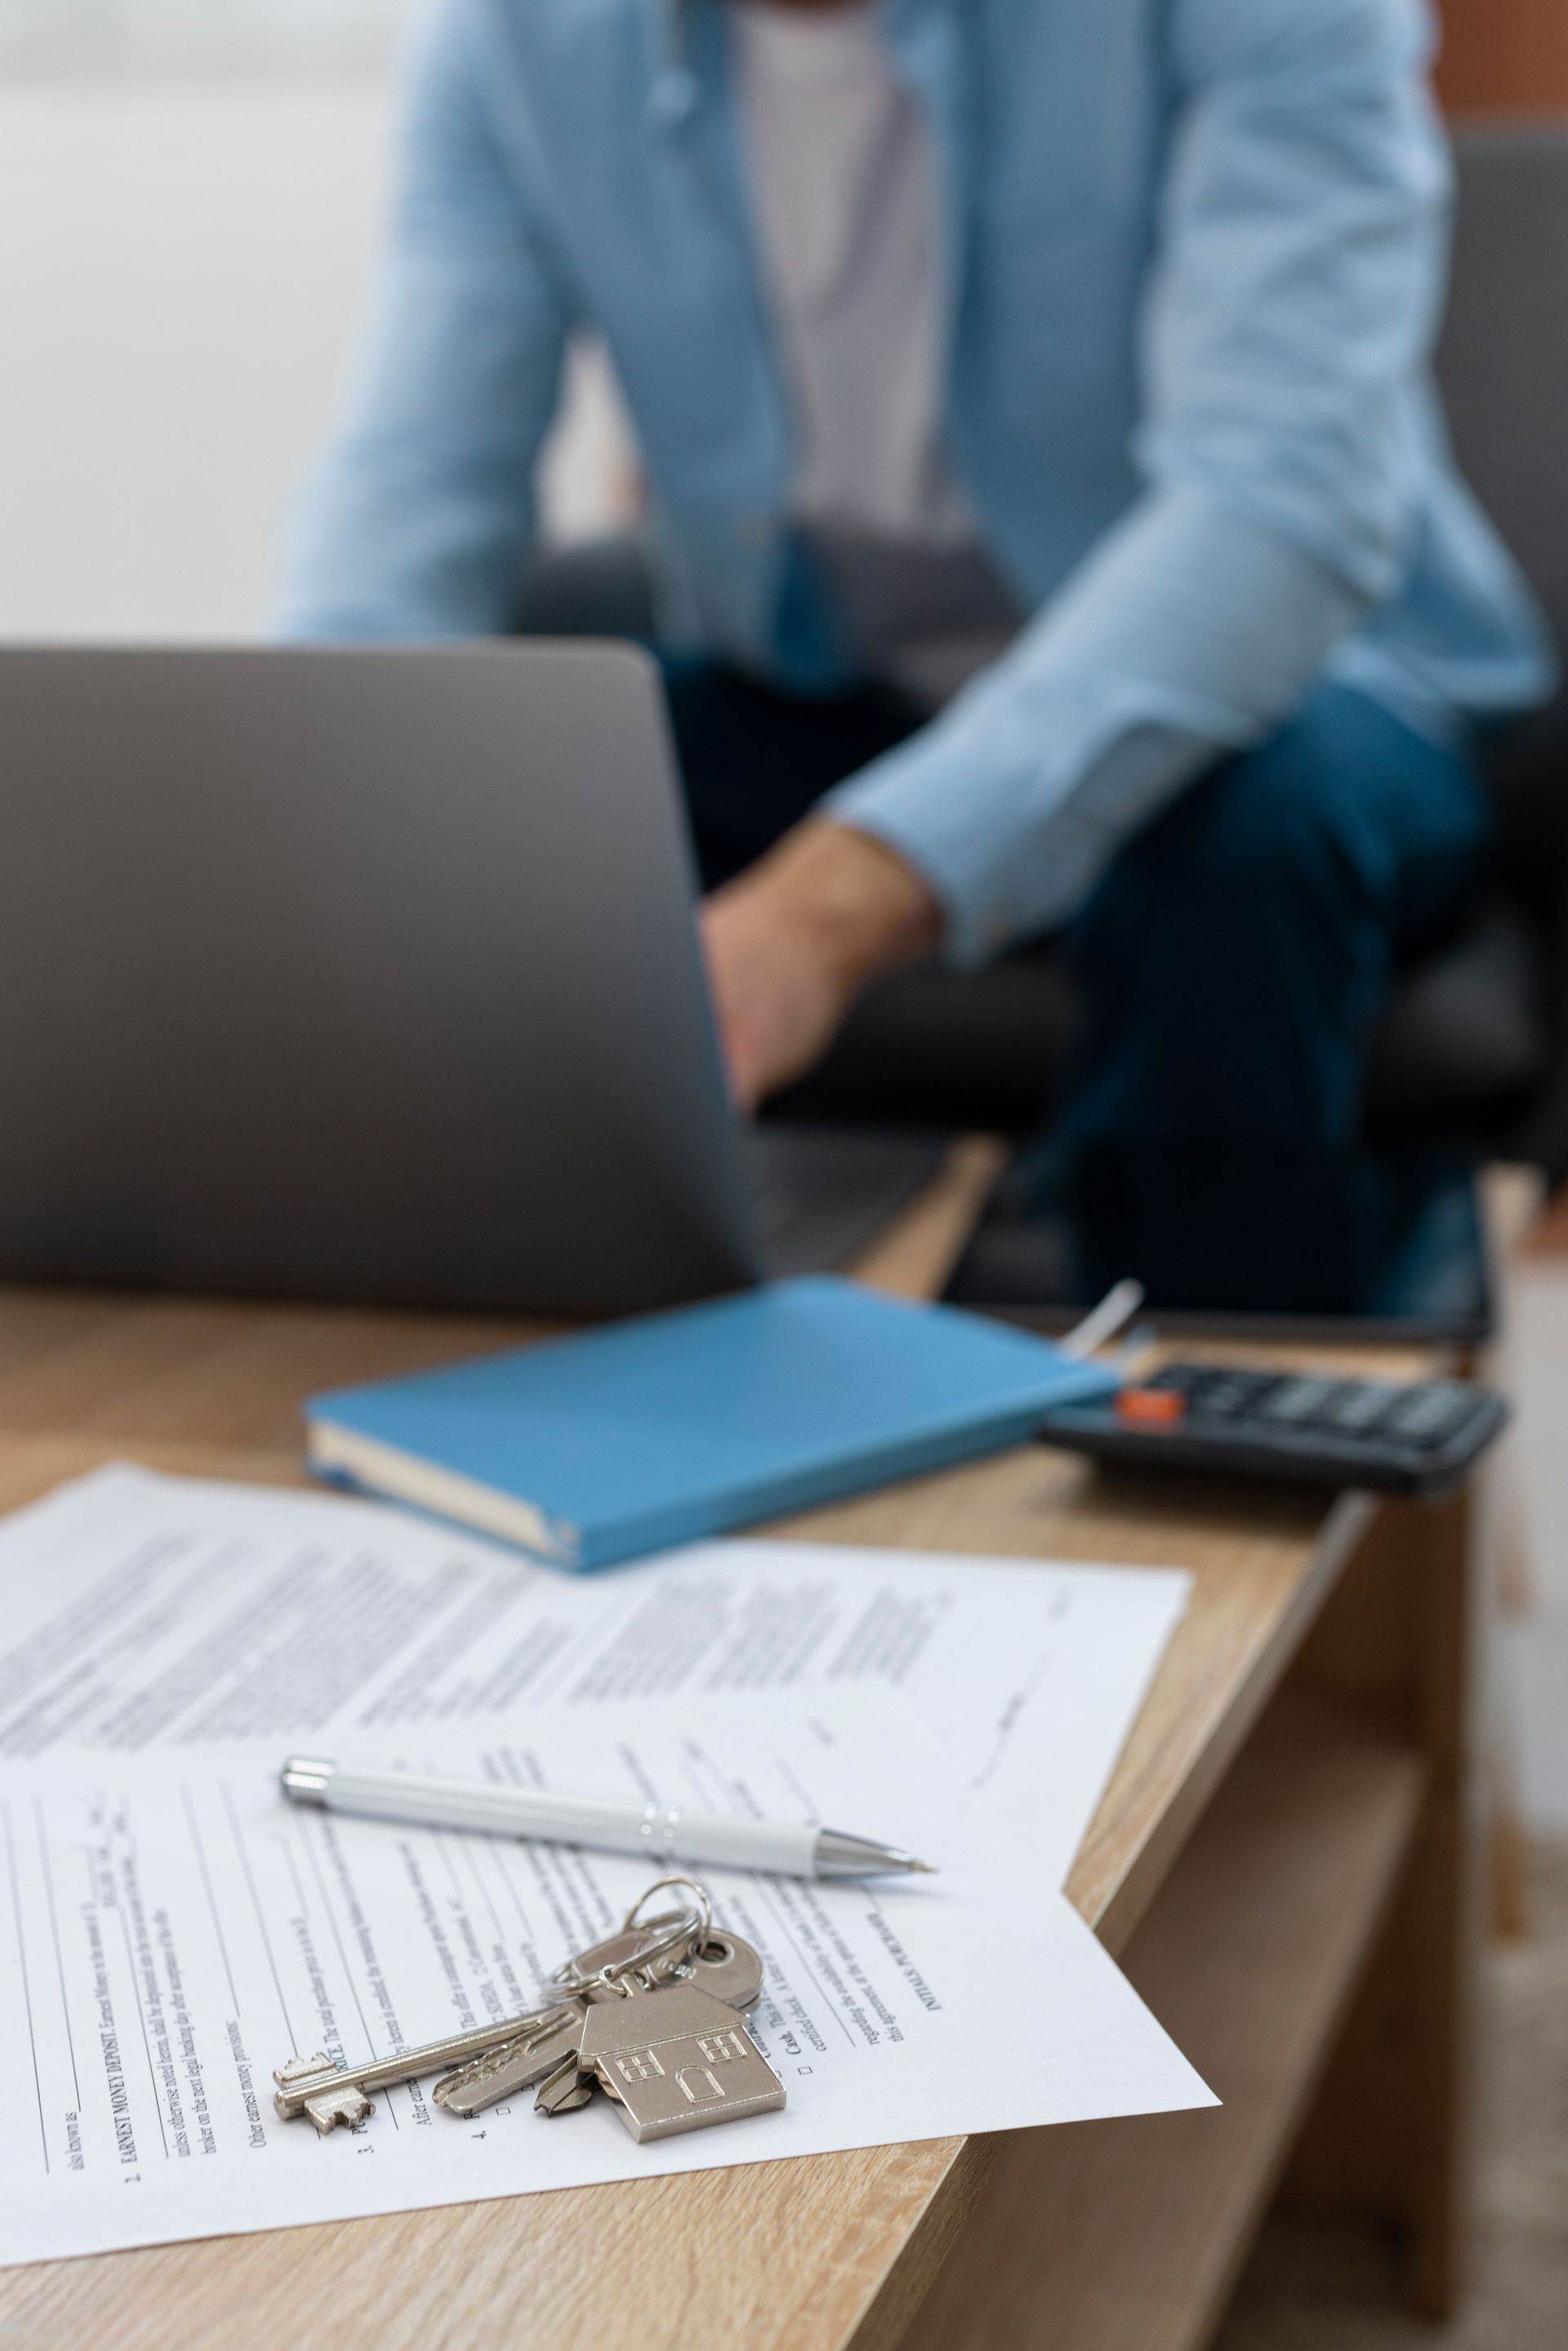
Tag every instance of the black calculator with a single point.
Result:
(1393, 1437)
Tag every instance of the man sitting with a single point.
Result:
(1053, 519)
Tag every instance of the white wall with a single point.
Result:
(1535, 1650)
(107, 36)
(180, 265)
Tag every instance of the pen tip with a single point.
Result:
(923, 1868)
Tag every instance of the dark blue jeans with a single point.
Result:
(1235, 954)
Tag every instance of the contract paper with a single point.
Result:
(171, 1930)
(141, 1611)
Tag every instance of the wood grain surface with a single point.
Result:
(1106, 2235)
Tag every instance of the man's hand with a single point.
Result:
(792, 944)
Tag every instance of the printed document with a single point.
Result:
(172, 1931)
(143, 1611)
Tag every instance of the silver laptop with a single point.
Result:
(372, 974)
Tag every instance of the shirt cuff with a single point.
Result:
(1191, 631)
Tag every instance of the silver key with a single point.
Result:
(726, 1967)
(543, 2048)
(332, 2094)
(327, 2103)
(496, 2060)
(676, 2059)
(567, 2089)
(514, 2067)
(729, 1968)
(649, 1940)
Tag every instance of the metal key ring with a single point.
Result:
(685, 1931)
(704, 1905)
(689, 1932)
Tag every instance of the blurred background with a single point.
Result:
(192, 192)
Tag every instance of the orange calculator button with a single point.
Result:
(1151, 1407)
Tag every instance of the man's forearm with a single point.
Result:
(861, 905)
(792, 943)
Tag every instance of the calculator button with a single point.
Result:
(1363, 1405)
(1151, 1407)
(1344, 1397)
(1430, 1415)
(1222, 1400)
(1297, 1402)
(1230, 1395)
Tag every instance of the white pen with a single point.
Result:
(665, 1832)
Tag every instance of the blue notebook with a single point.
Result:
(678, 1425)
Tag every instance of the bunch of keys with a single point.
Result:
(653, 2017)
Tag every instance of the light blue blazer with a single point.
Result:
(1195, 255)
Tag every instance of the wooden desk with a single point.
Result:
(1284, 1848)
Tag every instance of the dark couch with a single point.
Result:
(1474, 1046)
